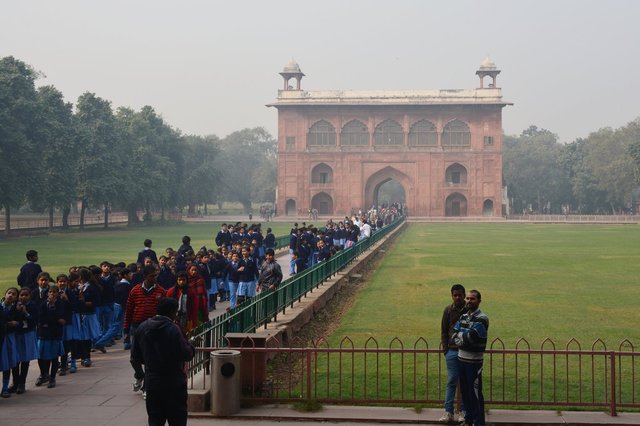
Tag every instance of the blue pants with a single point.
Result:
(105, 318)
(233, 294)
(453, 375)
(292, 263)
(116, 326)
(471, 387)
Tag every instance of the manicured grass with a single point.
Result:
(60, 250)
(537, 281)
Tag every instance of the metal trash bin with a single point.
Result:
(225, 382)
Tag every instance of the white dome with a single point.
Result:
(487, 64)
(292, 67)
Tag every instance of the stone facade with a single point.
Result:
(336, 148)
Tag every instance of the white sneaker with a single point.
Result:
(137, 385)
(461, 416)
(144, 395)
(447, 417)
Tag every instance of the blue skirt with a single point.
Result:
(27, 346)
(50, 349)
(75, 329)
(89, 327)
(8, 353)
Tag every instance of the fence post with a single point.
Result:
(612, 404)
(308, 374)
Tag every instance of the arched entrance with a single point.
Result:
(290, 207)
(388, 193)
(487, 208)
(388, 185)
(323, 203)
(456, 205)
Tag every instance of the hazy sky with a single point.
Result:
(209, 67)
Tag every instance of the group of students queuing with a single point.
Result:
(309, 245)
(55, 324)
(60, 322)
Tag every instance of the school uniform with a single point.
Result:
(247, 278)
(26, 335)
(232, 273)
(89, 326)
(50, 330)
(28, 275)
(9, 353)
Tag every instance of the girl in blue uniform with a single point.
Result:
(50, 325)
(88, 300)
(62, 281)
(8, 353)
(26, 340)
(73, 331)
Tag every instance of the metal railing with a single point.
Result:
(548, 377)
(18, 222)
(575, 218)
(264, 308)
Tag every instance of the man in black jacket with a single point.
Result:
(160, 345)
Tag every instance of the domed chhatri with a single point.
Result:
(291, 70)
(488, 69)
(487, 64)
(292, 67)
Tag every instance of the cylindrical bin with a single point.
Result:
(225, 382)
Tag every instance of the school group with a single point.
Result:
(61, 321)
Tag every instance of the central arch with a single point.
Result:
(383, 176)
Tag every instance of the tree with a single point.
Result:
(533, 171)
(245, 152)
(148, 166)
(201, 174)
(608, 160)
(17, 119)
(55, 141)
(99, 142)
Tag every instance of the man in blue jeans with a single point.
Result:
(470, 334)
(450, 317)
(121, 291)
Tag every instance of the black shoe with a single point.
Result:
(101, 349)
(63, 371)
(12, 389)
(20, 390)
(42, 380)
(5, 394)
(52, 383)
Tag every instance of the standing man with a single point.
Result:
(160, 345)
(29, 271)
(142, 304)
(450, 317)
(270, 272)
(470, 334)
(147, 252)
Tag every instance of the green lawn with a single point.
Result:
(537, 281)
(60, 250)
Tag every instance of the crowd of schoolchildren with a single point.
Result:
(61, 322)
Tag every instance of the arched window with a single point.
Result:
(323, 203)
(423, 133)
(388, 132)
(354, 133)
(321, 173)
(455, 175)
(321, 133)
(487, 208)
(456, 205)
(456, 133)
(290, 207)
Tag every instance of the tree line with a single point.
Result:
(599, 174)
(54, 154)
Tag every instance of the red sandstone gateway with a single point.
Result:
(337, 148)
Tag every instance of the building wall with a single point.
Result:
(421, 170)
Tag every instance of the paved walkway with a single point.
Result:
(102, 395)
